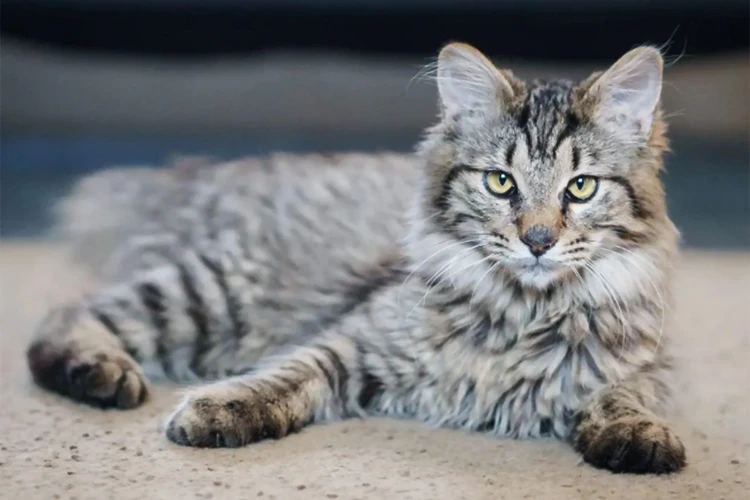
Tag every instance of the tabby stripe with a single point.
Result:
(362, 292)
(234, 307)
(467, 398)
(636, 207)
(523, 121)
(451, 135)
(545, 337)
(153, 300)
(509, 153)
(329, 376)
(622, 232)
(493, 419)
(593, 327)
(481, 336)
(459, 299)
(441, 202)
(106, 321)
(545, 427)
(571, 125)
(534, 394)
(463, 217)
(589, 359)
(454, 334)
(372, 388)
(482, 332)
(196, 309)
(576, 158)
(211, 208)
(386, 358)
(341, 372)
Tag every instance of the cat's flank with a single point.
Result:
(511, 278)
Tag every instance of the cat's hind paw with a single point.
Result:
(101, 378)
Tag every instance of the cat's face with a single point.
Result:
(542, 179)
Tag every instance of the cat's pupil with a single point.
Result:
(580, 182)
(503, 179)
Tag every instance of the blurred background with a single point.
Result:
(87, 84)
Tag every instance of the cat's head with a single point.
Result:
(540, 179)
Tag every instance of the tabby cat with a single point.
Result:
(510, 278)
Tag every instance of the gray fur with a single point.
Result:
(350, 285)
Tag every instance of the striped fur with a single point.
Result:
(315, 288)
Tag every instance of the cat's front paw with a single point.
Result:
(638, 445)
(229, 415)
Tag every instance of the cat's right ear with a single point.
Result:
(471, 88)
(625, 98)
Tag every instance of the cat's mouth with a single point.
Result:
(537, 272)
(537, 264)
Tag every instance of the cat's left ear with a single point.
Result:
(625, 98)
(471, 88)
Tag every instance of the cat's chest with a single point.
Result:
(537, 344)
(522, 373)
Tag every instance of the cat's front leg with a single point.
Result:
(620, 431)
(310, 383)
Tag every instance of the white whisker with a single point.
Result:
(610, 294)
(439, 251)
(659, 295)
(434, 279)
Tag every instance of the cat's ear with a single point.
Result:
(471, 87)
(624, 98)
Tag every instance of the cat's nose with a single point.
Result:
(539, 239)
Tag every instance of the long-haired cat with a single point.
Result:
(511, 278)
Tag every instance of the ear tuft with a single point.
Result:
(627, 94)
(469, 84)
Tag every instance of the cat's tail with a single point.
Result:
(106, 210)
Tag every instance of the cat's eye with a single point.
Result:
(499, 183)
(582, 188)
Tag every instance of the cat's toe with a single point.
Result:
(635, 445)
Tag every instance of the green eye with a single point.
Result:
(582, 188)
(499, 183)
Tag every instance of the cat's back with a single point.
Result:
(317, 206)
(338, 188)
(301, 215)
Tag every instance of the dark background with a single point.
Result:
(93, 83)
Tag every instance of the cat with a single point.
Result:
(511, 277)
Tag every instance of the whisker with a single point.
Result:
(415, 269)
(433, 281)
(476, 287)
(454, 273)
(662, 304)
(612, 295)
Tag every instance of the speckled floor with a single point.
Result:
(52, 448)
